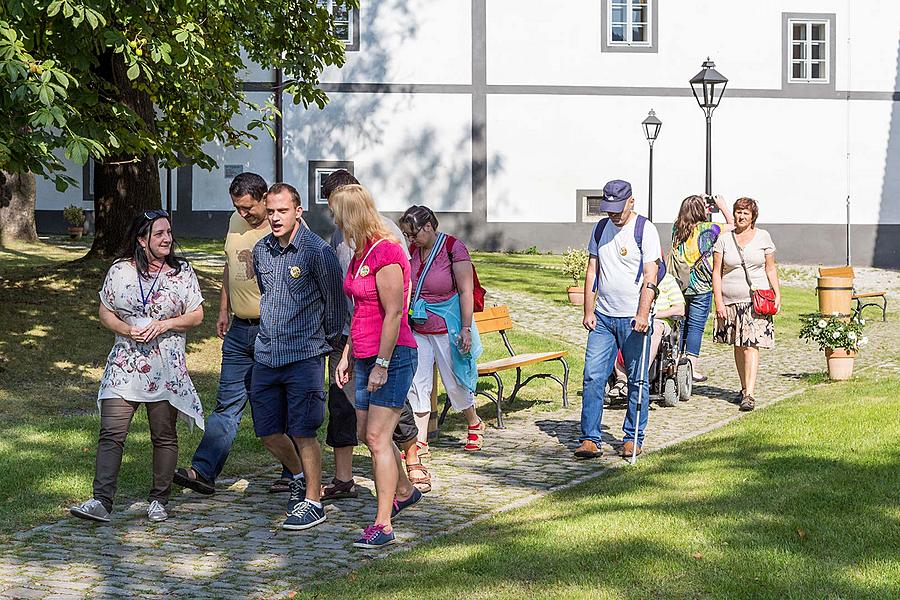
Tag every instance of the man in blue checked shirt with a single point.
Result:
(302, 312)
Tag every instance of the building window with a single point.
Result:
(629, 25)
(588, 202)
(808, 54)
(345, 20)
(809, 51)
(629, 22)
(319, 170)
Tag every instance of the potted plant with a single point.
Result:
(574, 266)
(74, 216)
(839, 337)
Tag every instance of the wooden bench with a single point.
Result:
(496, 318)
(862, 300)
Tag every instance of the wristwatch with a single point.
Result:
(382, 362)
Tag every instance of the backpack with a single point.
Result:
(478, 292)
(639, 239)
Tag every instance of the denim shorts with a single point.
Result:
(289, 399)
(400, 373)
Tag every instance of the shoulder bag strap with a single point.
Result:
(743, 264)
(363, 261)
(438, 244)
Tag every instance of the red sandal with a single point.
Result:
(475, 439)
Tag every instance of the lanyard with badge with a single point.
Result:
(145, 299)
(362, 270)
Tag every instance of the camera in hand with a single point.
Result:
(710, 203)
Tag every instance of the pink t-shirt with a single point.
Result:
(368, 314)
(439, 283)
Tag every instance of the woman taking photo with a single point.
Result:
(149, 299)
(442, 280)
(744, 261)
(384, 348)
(693, 237)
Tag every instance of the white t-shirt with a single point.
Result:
(619, 260)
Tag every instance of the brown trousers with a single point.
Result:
(115, 420)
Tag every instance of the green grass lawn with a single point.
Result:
(796, 501)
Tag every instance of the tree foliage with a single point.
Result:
(58, 98)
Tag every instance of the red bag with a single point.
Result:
(764, 302)
(478, 292)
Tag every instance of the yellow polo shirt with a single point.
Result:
(243, 291)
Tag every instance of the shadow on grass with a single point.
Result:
(723, 516)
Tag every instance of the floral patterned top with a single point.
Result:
(155, 371)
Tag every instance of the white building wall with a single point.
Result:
(210, 188)
(406, 148)
(412, 41)
(789, 154)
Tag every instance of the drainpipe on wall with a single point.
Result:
(849, 83)
(279, 127)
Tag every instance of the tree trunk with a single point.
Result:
(124, 185)
(17, 197)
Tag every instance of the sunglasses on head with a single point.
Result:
(155, 214)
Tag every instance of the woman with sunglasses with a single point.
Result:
(442, 281)
(693, 237)
(149, 299)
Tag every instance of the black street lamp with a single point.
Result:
(708, 86)
(651, 125)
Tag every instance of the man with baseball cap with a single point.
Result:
(622, 271)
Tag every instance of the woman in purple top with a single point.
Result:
(449, 275)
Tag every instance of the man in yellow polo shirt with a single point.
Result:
(240, 297)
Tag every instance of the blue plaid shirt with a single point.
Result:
(302, 308)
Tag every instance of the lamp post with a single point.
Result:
(708, 86)
(651, 125)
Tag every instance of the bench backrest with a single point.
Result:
(836, 272)
(493, 318)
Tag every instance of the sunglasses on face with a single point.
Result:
(155, 214)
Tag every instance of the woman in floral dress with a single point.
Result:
(150, 298)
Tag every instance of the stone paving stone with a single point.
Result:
(231, 543)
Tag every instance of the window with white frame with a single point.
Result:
(321, 174)
(345, 21)
(629, 23)
(809, 51)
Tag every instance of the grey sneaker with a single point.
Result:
(91, 510)
(156, 512)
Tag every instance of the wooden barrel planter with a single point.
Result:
(834, 295)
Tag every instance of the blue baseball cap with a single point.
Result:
(615, 194)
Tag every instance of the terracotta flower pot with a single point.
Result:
(840, 363)
(75, 233)
(576, 295)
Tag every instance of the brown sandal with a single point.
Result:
(421, 482)
(475, 439)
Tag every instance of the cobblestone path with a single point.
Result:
(231, 545)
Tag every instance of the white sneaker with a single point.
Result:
(156, 512)
(91, 510)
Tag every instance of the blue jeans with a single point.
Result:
(610, 335)
(234, 389)
(696, 311)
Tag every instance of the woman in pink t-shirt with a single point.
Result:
(449, 276)
(384, 348)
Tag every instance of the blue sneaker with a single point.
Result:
(304, 516)
(398, 505)
(298, 494)
(374, 536)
